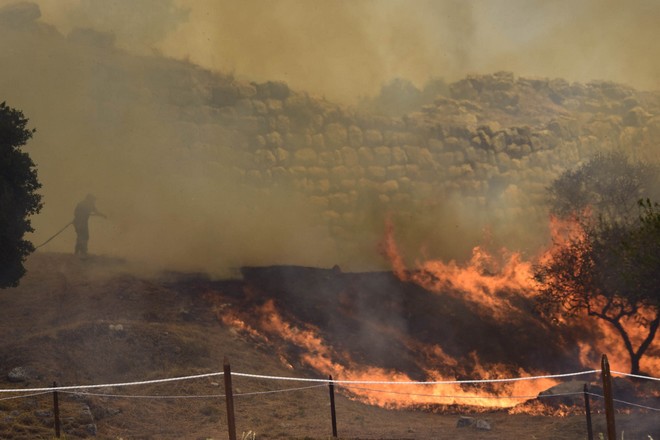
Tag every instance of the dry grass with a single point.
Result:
(57, 324)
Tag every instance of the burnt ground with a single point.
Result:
(96, 321)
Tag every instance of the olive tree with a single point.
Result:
(18, 197)
(611, 269)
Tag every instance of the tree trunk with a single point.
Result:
(635, 356)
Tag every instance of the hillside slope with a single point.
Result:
(98, 321)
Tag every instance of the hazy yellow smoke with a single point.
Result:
(101, 130)
(344, 49)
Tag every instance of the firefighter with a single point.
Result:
(81, 215)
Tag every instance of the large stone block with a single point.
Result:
(436, 145)
(331, 216)
(347, 184)
(412, 171)
(250, 123)
(349, 156)
(421, 189)
(339, 201)
(317, 172)
(396, 171)
(405, 184)
(282, 155)
(281, 174)
(389, 186)
(259, 107)
(366, 156)
(330, 158)
(274, 105)
(253, 176)
(373, 137)
(446, 159)
(298, 171)
(318, 141)
(382, 156)
(322, 186)
(274, 139)
(296, 141)
(319, 201)
(419, 156)
(355, 138)
(244, 107)
(499, 141)
(336, 135)
(376, 172)
(399, 156)
(364, 184)
(282, 124)
(305, 156)
(265, 158)
(340, 172)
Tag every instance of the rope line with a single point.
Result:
(69, 390)
(323, 381)
(183, 396)
(461, 397)
(626, 403)
(23, 396)
(437, 382)
(635, 375)
(108, 385)
(281, 391)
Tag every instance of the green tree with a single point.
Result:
(611, 269)
(18, 197)
(606, 187)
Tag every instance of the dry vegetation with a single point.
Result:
(87, 322)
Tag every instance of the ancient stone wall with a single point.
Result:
(495, 144)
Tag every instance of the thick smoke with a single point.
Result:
(345, 49)
(104, 128)
(106, 123)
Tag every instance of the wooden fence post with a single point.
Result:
(587, 409)
(333, 412)
(229, 401)
(609, 400)
(56, 411)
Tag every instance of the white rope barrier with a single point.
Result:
(435, 382)
(635, 375)
(626, 403)
(461, 397)
(216, 396)
(280, 391)
(109, 385)
(183, 396)
(24, 396)
(323, 381)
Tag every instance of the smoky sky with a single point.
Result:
(103, 129)
(345, 49)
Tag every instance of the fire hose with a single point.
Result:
(58, 233)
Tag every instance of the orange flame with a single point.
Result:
(322, 358)
(485, 281)
(491, 285)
